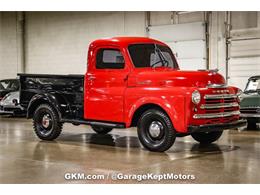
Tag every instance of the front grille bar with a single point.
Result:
(220, 96)
(223, 105)
(215, 115)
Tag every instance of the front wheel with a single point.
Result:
(101, 130)
(207, 137)
(155, 131)
(46, 123)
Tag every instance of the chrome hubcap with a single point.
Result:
(155, 129)
(46, 121)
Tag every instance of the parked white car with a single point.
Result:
(9, 105)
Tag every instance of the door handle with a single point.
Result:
(91, 78)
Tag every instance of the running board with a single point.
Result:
(94, 123)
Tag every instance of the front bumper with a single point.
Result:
(217, 127)
(10, 110)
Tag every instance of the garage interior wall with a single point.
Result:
(8, 45)
(243, 47)
(57, 42)
(185, 33)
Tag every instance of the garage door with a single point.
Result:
(244, 60)
(188, 42)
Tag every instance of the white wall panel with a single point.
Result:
(245, 48)
(239, 82)
(173, 17)
(178, 32)
(189, 49)
(187, 42)
(244, 54)
(189, 17)
(244, 61)
(160, 18)
(243, 20)
(217, 42)
(58, 42)
(192, 64)
(8, 45)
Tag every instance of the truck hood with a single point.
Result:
(178, 78)
(250, 100)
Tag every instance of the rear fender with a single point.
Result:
(42, 99)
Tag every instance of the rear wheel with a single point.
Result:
(46, 122)
(207, 137)
(101, 130)
(155, 131)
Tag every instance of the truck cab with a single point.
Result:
(133, 82)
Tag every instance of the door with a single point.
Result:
(105, 86)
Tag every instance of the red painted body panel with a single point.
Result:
(115, 95)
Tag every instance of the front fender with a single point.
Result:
(38, 99)
(173, 106)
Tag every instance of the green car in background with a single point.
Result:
(250, 102)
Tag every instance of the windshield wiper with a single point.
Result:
(161, 56)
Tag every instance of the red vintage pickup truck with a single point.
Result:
(133, 82)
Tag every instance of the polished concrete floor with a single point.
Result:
(235, 158)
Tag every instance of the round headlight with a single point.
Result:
(239, 94)
(196, 97)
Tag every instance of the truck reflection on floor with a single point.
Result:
(133, 142)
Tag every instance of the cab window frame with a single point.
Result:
(101, 65)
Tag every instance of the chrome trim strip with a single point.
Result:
(249, 115)
(215, 115)
(217, 86)
(250, 107)
(220, 96)
(221, 105)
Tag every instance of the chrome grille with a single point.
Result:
(216, 115)
(252, 110)
(218, 106)
(220, 96)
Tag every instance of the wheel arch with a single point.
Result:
(39, 99)
(174, 108)
(143, 108)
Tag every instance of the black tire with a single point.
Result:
(207, 137)
(251, 125)
(101, 130)
(155, 131)
(46, 123)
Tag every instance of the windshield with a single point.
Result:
(9, 85)
(253, 86)
(152, 55)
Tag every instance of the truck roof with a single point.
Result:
(125, 41)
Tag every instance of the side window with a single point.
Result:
(109, 59)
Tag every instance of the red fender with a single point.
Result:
(173, 106)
